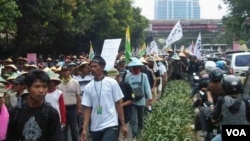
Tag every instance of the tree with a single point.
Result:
(67, 26)
(8, 14)
(237, 23)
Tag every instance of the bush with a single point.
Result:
(172, 115)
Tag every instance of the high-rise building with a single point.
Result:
(177, 9)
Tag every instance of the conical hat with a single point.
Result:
(11, 66)
(2, 80)
(135, 62)
(113, 72)
(158, 58)
(22, 59)
(52, 75)
(143, 60)
(182, 54)
(83, 63)
(31, 66)
(8, 60)
(12, 77)
(175, 57)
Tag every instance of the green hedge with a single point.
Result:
(172, 115)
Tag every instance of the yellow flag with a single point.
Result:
(127, 46)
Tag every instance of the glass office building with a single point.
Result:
(176, 9)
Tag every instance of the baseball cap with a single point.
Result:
(19, 79)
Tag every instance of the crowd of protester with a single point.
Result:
(74, 95)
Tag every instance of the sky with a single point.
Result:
(209, 8)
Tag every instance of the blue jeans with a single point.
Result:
(108, 134)
(71, 120)
(137, 119)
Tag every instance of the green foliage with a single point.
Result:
(172, 116)
(67, 26)
(8, 13)
(236, 22)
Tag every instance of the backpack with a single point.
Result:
(237, 118)
(247, 102)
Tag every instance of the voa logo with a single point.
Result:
(236, 132)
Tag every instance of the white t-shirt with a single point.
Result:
(53, 99)
(162, 68)
(102, 94)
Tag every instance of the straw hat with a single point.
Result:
(49, 59)
(182, 54)
(12, 77)
(11, 66)
(31, 66)
(8, 60)
(74, 57)
(170, 50)
(112, 72)
(53, 68)
(158, 58)
(175, 57)
(150, 59)
(143, 60)
(22, 59)
(2, 80)
(52, 75)
(82, 63)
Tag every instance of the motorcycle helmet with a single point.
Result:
(220, 64)
(204, 80)
(215, 75)
(231, 84)
(209, 65)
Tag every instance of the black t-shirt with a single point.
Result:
(34, 124)
(150, 77)
(127, 92)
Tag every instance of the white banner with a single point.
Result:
(175, 34)
(152, 48)
(110, 51)
(197, 48)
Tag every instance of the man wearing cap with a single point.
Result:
(8, 70)
(20, 94)
(71, 95)
(4, 114)
(102, 101)
(127, 100)
(140, 84)
(55, 96)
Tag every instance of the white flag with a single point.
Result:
(197, 48)
(191, 47)
(152, 48)
(175, 34)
